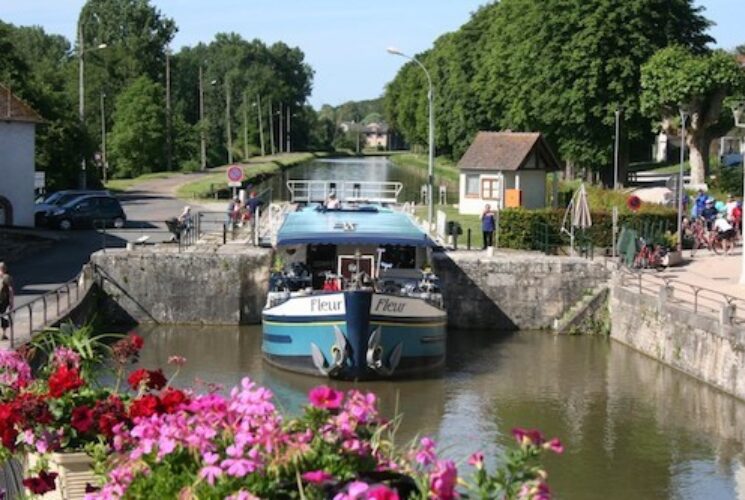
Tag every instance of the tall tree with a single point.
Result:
(138, 134)
(674, 79)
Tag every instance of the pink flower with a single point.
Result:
(426, 454)
(535, 491)
(443, 480)
(325, 397)
(317, 476)
(238, 467)
(477, 460)
(381, 492)
(354, 490)
(528, 436)
(242, 495)
(554, 445)
(176, 360)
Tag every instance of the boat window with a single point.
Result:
(399, 257)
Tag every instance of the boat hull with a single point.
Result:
(355, 335)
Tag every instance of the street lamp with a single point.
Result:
(683, 117)
(81, 96)
(738, 111)
(431, 160)
(615, 150)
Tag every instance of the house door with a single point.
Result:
(6, 212)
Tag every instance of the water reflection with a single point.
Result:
(632, 427)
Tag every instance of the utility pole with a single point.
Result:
(169, 148)
(81, 102)
(271, 125)
(280, 136)
(288, 128)
(228, 132)
(245, 128)
(202, 135)
(261, 124)
(615, 149)
(104, 163)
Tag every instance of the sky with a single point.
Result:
(343, 40)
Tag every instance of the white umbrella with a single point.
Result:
(581, 210)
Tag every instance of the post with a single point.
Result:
(737, 110)
(104, 165)
(271, 126)
(261, 124)
(680, 179)
(288, 128)
(431, 162)
(81, 103)
(245, 128)
(280, 136)
(615, 149)
(169, 147)
(228, 132)
(468, 238)
(202, 134)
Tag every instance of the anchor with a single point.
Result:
(375, 354)
(338, 353)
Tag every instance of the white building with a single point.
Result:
(505, 169)
(17, 146)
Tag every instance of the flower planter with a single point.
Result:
(74, 472)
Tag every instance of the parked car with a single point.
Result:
(88, 211)
(45, 206)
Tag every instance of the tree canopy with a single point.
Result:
(561, 67)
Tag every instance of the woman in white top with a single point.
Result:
(725, 232)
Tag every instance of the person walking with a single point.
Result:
(488, 224)
(230, 216)
(7, 295)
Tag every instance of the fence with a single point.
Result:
(729, 309)
(46, 309)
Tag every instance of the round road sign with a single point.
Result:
(235, 174)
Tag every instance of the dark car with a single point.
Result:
(44, 207)
(88, 211)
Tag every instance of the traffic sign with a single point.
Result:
(235, 176)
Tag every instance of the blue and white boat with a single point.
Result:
(355, 298)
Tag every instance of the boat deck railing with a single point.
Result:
(314, 191)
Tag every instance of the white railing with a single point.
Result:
(309, 191)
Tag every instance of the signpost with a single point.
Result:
(235, 177)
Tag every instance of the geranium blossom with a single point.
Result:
(317, 476)
(325, 397)
(64, 379)
(15, 372)
(443, 480)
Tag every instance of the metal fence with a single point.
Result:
(46, 309)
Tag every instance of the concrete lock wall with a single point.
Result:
(698, 345)
(512, 291)
(227, 286)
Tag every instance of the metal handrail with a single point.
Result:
(317, 191)
(701, 299)
(63, 290)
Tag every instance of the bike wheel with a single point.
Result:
(716, 246)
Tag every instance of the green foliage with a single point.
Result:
(550, 65)
(676, 78)
(726, 180)
(138, 135)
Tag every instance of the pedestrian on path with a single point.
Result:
(6, 298)
(488, 225)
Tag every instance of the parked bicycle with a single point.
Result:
(703, 237)
(649, 256)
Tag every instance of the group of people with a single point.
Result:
(722, 218)
(240, 212)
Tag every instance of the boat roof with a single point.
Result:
(364, 225)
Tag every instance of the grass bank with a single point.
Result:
(446, 171)
(256, 170)
(119, 185)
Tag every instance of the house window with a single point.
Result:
(490, 189)
(472, 185)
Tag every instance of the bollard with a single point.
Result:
(468, 239)
(224, 234)
(455, 240)
(727, 314)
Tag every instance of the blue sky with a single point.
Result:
(344, 41)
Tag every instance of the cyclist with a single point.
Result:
(709, 213)
(725, 232)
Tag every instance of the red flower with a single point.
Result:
(42, 484)
(154, 378)
(136, 341)
(82, 419)
(9, 435)
(106, 423)
(381, 492)
(172, 399)
(144, 406)
(528, 436)
(325, 397)
(63, 380)
(108, 413)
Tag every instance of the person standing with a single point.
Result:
(230, 216)
(6, 299)
(700, 204)
(488, 224)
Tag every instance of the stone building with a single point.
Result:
(505, 169)
(17, 147)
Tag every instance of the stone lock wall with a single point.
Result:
(225, 286)
(511, 290)
(701, 346)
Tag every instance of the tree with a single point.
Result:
(136, 141)
(676, 78)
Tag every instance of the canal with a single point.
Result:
(632, 427)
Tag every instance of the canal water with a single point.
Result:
(363, 169)
(632, 428)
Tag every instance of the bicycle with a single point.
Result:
(649, 256)
(704, 238)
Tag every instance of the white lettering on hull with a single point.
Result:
(325, 305)
(387, 305)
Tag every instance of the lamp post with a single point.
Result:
(738, 111)
(615, 150)
(104, 161)
(261, 124)
(431, 159)
(202, 132)
(169, 145)
(81, 97)
(683, 117)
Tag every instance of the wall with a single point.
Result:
(224, 286)
(17, 142)
(533, 185)
(475, 205)
(698, 345)
(512, 290)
